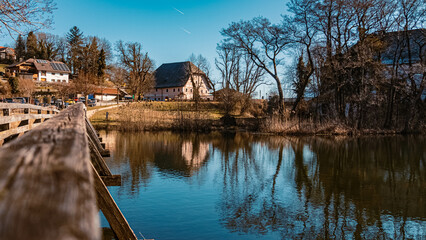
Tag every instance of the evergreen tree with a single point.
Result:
(14, 85)
(32, 45)
(20, 48)
(75, 41)
(101, 64)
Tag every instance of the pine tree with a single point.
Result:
(20, 48)
(32, 45)
(14, 85)
(75, 41)
(101, 64)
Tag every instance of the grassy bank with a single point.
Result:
(181, 116)
(152, 116)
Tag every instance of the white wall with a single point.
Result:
(105, 97)
(162, 94)
(53, 77)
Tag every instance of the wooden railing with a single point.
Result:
(16, 119)
(53, 181)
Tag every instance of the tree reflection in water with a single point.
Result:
(296, 187)
(347, 188)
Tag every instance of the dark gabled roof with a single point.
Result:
(396, 43)
(175, 74)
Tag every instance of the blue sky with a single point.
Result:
(169, 30)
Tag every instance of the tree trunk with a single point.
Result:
(281, 98)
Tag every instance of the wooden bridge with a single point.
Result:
(53, 178)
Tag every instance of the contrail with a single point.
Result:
(179, 11)
(183, 29)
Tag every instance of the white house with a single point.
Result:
(179, 81)
(41, 70)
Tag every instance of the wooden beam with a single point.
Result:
(112, 213)
(93, 135)
(97, 160)
(46, 182)
(18, 118)
(113, 180)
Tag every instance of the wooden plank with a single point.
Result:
(18, 118)
(24, 106)
(97, 160)
(113, 180)
(46, 182)
(13, 131)
(93, 136)
(112, 213)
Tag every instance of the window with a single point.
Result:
(156, 89)
(61, 74)
(191, 90)
(53, 80)
(43, 73)
(178, 89)
(43, 79)
(187, 90)
(167, 90)
(53, 73)
(173, 90)
(64, 81)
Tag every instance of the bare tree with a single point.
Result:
(83, 84)
(138, 65)
(226, 63)
(302, 33)
(240, 75)
(18, 15)
(26, 87)
(265, 43)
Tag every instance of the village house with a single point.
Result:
(7, 54)
(41, 70)
(177, 81)
(108, 93)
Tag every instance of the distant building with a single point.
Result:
(398, 54)
(41, 70)
(7, 53)
(177, 80)
(108, 93)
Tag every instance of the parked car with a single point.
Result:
(70, 101)
(91, 102)
(128, 98)
(8, 100)
(19, 100)
(81, 99)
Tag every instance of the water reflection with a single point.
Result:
(290, 187)
(179, 155)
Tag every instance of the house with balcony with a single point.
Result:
(41, 70)
(178, 81)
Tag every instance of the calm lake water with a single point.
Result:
(245, 186)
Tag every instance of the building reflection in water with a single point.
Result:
(137, 155)
(296, 187)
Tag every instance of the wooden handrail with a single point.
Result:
(24, 106)
(47, 182)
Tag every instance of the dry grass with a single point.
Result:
(157, 116)
(154, 116)
(294, 127)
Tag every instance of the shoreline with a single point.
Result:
(148, 117)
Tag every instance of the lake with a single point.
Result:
(249, 186)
